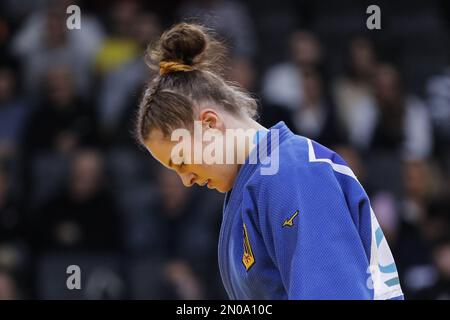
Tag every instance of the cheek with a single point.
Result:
(211, 171)
(214, 172)
(225, 174)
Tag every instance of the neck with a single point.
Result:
(249, 129)
(245, 124)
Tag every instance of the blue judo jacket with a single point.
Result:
(304, 231)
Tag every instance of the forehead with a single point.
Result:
(159, 146)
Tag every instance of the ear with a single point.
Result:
(211, 119)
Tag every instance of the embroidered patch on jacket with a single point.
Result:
(248, 259)
(289, 222)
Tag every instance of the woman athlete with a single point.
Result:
(296, 224)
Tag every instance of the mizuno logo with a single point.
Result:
(290, 221)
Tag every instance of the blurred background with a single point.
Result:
(75, 188)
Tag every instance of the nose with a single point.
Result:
(188, 179)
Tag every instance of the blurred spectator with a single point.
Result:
(399, 123)
(120, 88)
(229, 19)
(13, 244)
(314, 117)
(438, 90)
(8, 289)
(12, 112)
(83, 215)
(440, 290)
(353, 91)
(62, 121)
(416, 177)
(44, 41)
(282, 84)
(412, 244)
(119, 46)
(6, 32)
(183, 232)
(10, 211)
(183, 282)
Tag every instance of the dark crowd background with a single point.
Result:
(76, 188)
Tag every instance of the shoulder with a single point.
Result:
(298, 164)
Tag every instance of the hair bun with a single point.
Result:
(187, 44)
(183, 43)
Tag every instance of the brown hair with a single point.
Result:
(190, 61)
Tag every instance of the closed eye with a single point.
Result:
(171, 165)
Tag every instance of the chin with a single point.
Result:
(224, 188)
(221, 190)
